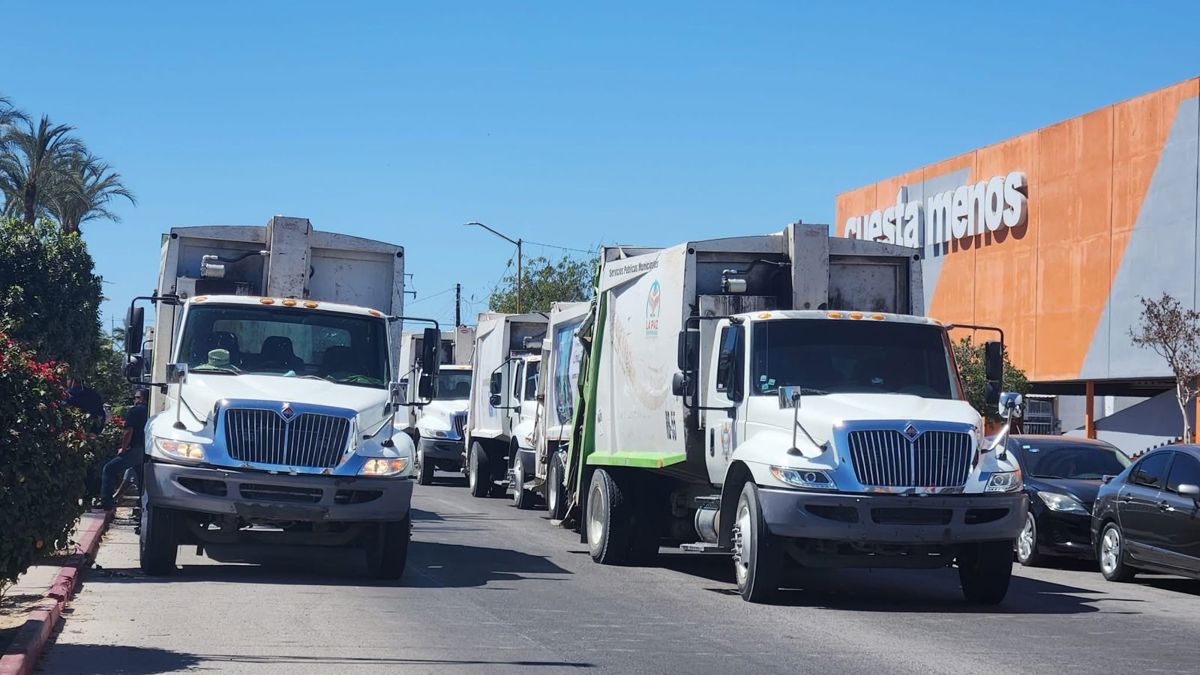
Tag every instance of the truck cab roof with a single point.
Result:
(836, 315)
(296, 303)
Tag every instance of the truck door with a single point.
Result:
(516, 383)
(724, 380)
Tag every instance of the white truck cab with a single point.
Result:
(274, 394)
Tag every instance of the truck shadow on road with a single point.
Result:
(430, 565)
(90, 658)
(886, 590)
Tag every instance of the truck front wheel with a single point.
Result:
(387, 553)
(757, 555)
(984, 570)
(424, 467)
(522, 499)
(479, 475)
(610, 524)
(158, 543)
(556, 489)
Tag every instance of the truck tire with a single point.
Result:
(479, 474)
(757, 554)
(610, 525)
(158, 540)
(387, 553)
(522, 499)
(424, 468)
(985, 570)
(556, 487)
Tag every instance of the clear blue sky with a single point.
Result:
(557, 122)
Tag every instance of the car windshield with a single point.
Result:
(283, 341)
(453, 385)
(825, 356)
(1074, 461)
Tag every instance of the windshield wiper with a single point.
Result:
(206, 370)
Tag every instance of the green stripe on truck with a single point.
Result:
(634, 458)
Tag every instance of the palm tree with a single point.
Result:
(82, 192)
(33, 161)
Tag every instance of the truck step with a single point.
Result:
(702, 547)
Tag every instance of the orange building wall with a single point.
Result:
(1047, 284)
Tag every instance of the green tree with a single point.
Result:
(971, 370)
(35, 161)
(49, 293)
(83, 191)
(543, 282)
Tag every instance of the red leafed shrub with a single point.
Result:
(44, 456)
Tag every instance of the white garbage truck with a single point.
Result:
(274, 391)
(782, 398)
(438, 428)
(558, 390)
(503, 404)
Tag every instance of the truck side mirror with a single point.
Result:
(681, 384)
(993, 369)
(135, 368)
(176, 373)
(431, 352)
(685, 349)
(494, 400)
(396, 393)
(135, 320)
(427, 386)
(1010, 404)
(494, 385)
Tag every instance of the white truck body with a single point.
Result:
(503, 407)
(280, 343)
(815, 406)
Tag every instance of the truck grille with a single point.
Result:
(458, 421)
(889, 459)
(308, 440)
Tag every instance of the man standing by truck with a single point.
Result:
(131, 453)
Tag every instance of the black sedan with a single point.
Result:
(1062, 476)
(1148, 518)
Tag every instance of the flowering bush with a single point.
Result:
(43, 459)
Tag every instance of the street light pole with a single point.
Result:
(515, 242)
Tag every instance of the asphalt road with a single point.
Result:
(492, 589)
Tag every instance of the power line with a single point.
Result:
(561, 248)
(430, 297)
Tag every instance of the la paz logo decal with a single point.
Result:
(653, 306)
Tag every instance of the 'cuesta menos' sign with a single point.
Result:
(965, 211)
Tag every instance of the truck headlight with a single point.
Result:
(1062, 503)
(804, 478)
(1004, 481)
(383, 467)
(185, 450)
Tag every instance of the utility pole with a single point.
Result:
(515, 242)
(457, 305)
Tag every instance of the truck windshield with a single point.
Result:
(236, 339)
(863, 357)
(453, 385)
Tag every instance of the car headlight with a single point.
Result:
(1062, 503)
(185, 450)
(809, 479)
(383, 466)
(1004, 481)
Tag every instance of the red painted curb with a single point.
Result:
(27, 647)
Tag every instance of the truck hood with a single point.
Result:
(201, 392)
(446, 408)
(819, 414)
